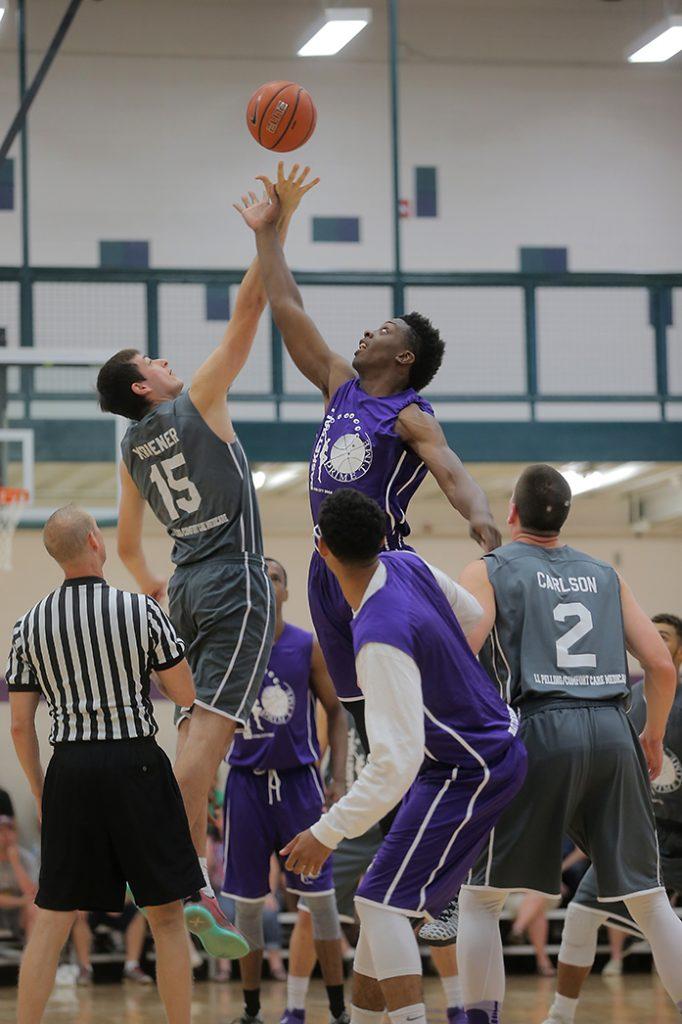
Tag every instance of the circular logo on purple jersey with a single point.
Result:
(670, 778)
(350, 457)
(277, 700)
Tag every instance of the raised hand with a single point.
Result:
(290, 190)
(259, 213)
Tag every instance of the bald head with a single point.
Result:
(66, 535)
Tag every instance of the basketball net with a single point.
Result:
(12, 501)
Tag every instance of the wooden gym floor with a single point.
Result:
(633, 999)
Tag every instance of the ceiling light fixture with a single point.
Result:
(595, 479)
(338, 27)
(661, 43)
(3, 8)
(258, 479)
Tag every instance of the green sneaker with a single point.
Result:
(217, 935)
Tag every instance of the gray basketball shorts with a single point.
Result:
(587, 778)
(224, 609)
(670, 847)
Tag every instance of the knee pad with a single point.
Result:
(322, 909)
(579, 938)
(362, 961)
(249, 921)
(392, 943)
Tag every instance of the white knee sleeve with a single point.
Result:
(479, 945)
(662, 929)
(391, 942)
(362, 961)
(249, 921)
(579, 938)
(322, 908)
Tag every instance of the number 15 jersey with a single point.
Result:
(559, 625)
(198, 486)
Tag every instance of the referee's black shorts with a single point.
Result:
(113, 814)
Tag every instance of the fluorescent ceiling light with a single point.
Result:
(340, 25)
(595, 479)
(2, 9)
(661, 43)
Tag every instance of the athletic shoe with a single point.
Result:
(246, 1018)
(457, 1015)
(84, 976)
(443, 930)
(137, 974)
(217, 935)
(612, 968)
(343, 1018)
(293, 1017)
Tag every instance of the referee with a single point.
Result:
(112, 812)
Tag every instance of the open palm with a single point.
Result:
(259, 212)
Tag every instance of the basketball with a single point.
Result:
(281, 116)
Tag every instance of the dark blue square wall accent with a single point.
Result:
(536, 259)
(7, 184)
(426, 191)
(124, 255)
(336, 229)
(217, 302)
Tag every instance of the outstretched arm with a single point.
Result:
(213, 378)
(424, 435)
(306, 346)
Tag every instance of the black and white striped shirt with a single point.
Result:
(90, 650)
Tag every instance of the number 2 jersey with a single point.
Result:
(559, 626)
(198, 486)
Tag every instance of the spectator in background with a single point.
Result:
(130, 923)
(18, 878)
(6, 805)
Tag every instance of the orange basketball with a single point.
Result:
(281, 116)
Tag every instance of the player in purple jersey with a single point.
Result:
(437, 727)
(378, 436)
(274, 784)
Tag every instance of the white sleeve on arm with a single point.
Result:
(394, 716)
(465, 606)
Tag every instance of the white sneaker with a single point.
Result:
(612, 968)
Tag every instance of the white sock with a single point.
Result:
(414, 1014)
(663, 931)
(130, 965)
(452, 987)
(359, 1016)
(563, 1009)
(297, 989)
(479, 947)
(207, 887)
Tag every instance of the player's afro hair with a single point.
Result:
(668, 619)
(353, 526)
(543, 499)
(115, 386)
(428, 348)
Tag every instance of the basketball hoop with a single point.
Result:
(12, 501)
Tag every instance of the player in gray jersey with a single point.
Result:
(181, 455)
(585, 913)
(553, 636)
